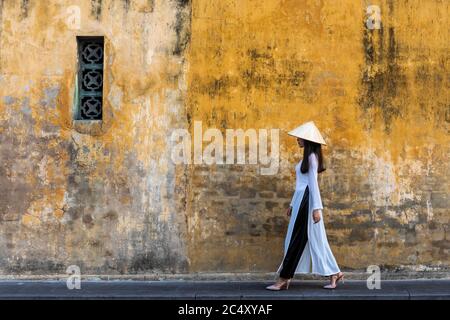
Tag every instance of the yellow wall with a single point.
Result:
(381, 100)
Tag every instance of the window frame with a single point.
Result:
(79, 91)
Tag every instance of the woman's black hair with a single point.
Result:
(308, 148)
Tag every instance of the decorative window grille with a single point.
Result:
(90, 78)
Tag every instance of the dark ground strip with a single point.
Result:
(235, 290)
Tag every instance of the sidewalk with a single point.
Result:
(238, 290)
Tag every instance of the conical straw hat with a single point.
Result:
(308, 131)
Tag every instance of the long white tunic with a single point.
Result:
(317, 257)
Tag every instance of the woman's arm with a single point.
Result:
(314, 186)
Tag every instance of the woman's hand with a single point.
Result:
(317, 215)
(289, 211)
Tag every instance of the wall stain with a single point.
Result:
(2, 3)
(260, 71)
(33, 265)
(126, 5)
(111, 215)
(182, 26)
(24, 7)
(382, 77)
(96, 8)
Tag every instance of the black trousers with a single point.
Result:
(298, 240)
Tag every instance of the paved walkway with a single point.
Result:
(238, 290)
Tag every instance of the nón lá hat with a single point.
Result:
(308, 131)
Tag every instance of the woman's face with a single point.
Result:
(300, 142)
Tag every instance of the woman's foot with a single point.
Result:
(334, 280)
(281, 284)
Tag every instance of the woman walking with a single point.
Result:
(306, 248)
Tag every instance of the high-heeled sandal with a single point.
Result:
(340, 277)
(282, 285)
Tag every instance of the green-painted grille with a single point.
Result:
(90, 77)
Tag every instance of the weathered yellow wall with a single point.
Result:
(380, 98)
(97, 195)
(107, 197)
